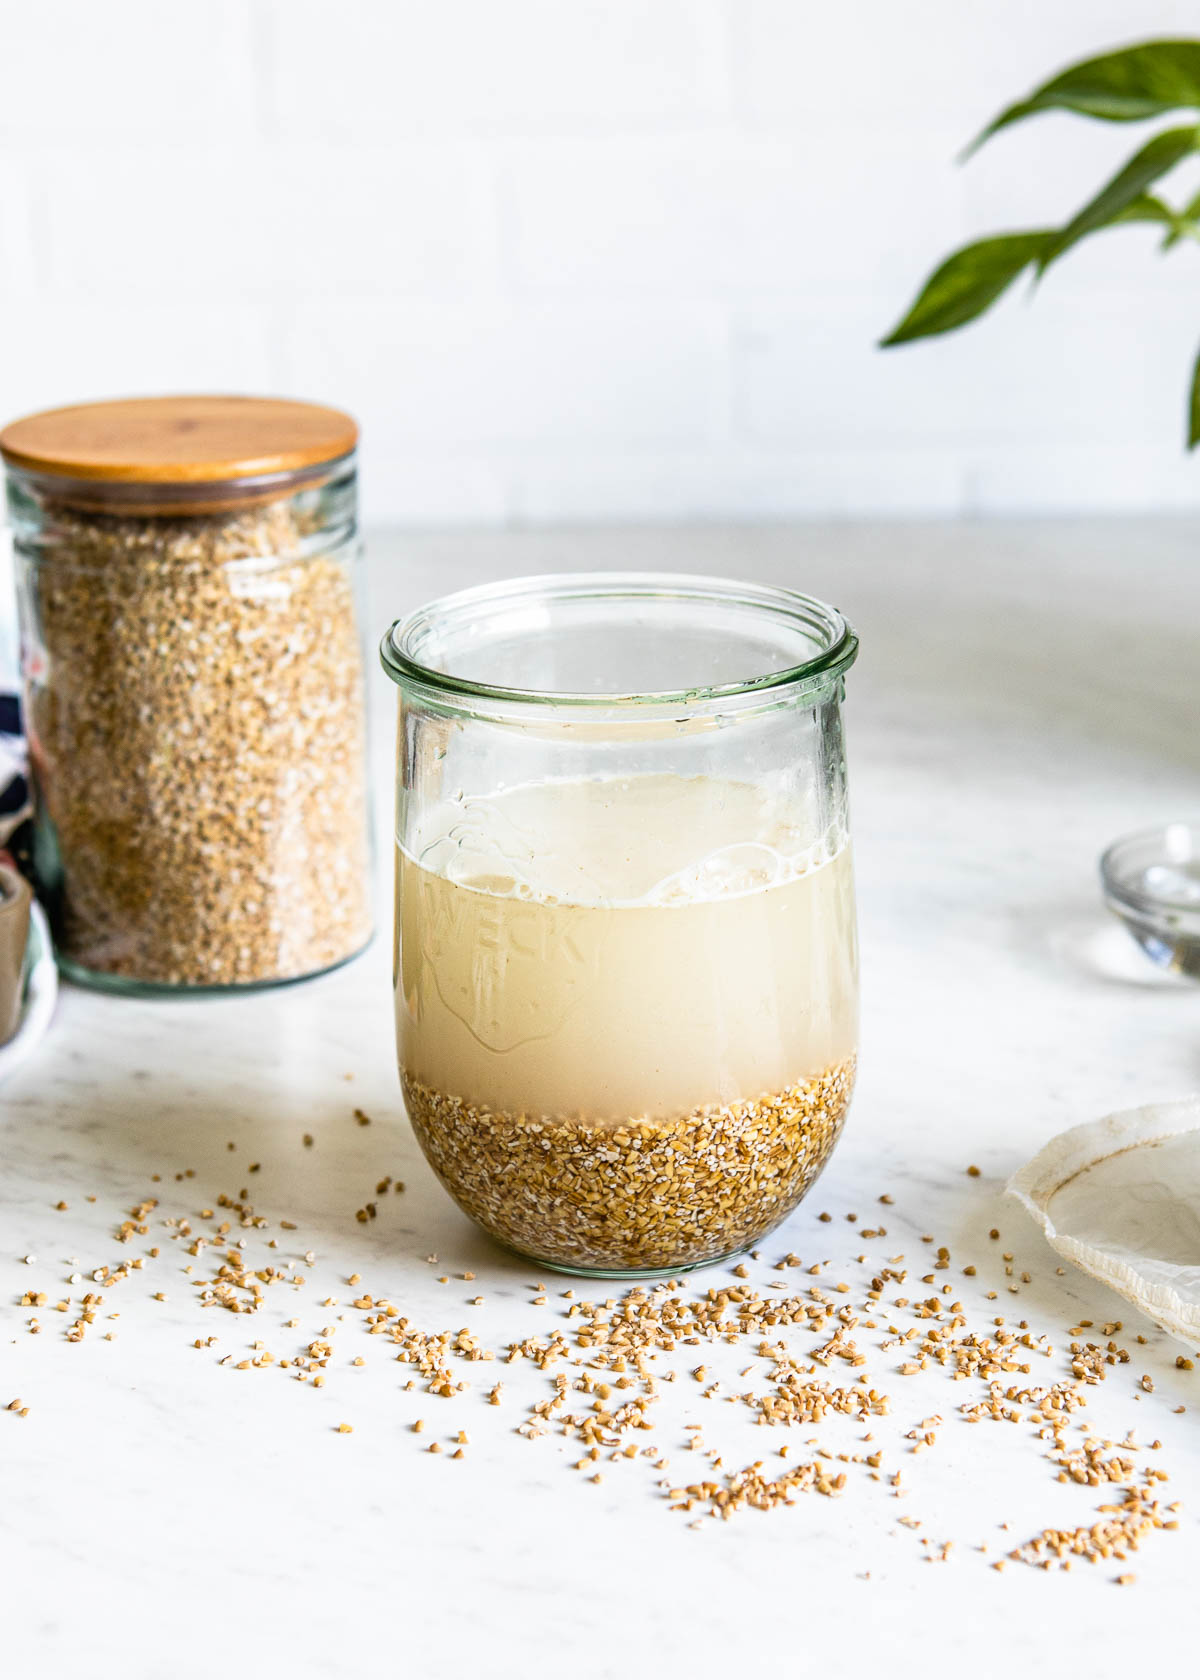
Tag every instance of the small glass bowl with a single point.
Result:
(1151, 882)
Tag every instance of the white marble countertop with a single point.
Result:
(1025, 692)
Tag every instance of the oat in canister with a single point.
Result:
(194, 686)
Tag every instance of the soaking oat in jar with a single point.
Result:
(194, 696)
(626, 964)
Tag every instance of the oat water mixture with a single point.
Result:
(626, 1014)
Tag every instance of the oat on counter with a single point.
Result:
(194, 687)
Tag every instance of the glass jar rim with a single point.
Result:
(837, 641)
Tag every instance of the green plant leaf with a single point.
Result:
(1124, 86)
(1126, 188)
(1147, 208)
(1194, 407)
(1185, 223)
(967, 283)
(971, 280)
(1180, 224)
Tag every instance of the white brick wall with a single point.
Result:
(593, 258)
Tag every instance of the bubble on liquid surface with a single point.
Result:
(748, 867)
(626, 842)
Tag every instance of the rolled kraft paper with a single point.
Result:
(15, 898)
(1120, 1198)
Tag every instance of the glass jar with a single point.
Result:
(626, 961)
(193, 687)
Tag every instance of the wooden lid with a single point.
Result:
(178, 440)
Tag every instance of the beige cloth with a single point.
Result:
(1120, 1198)
(15, 898)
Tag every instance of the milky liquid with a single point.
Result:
(617, 948)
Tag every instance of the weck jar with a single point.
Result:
(626, 981)
(193, 687)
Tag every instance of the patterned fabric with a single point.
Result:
(16, 829)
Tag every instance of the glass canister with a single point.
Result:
(194, 694)
(626, 962)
